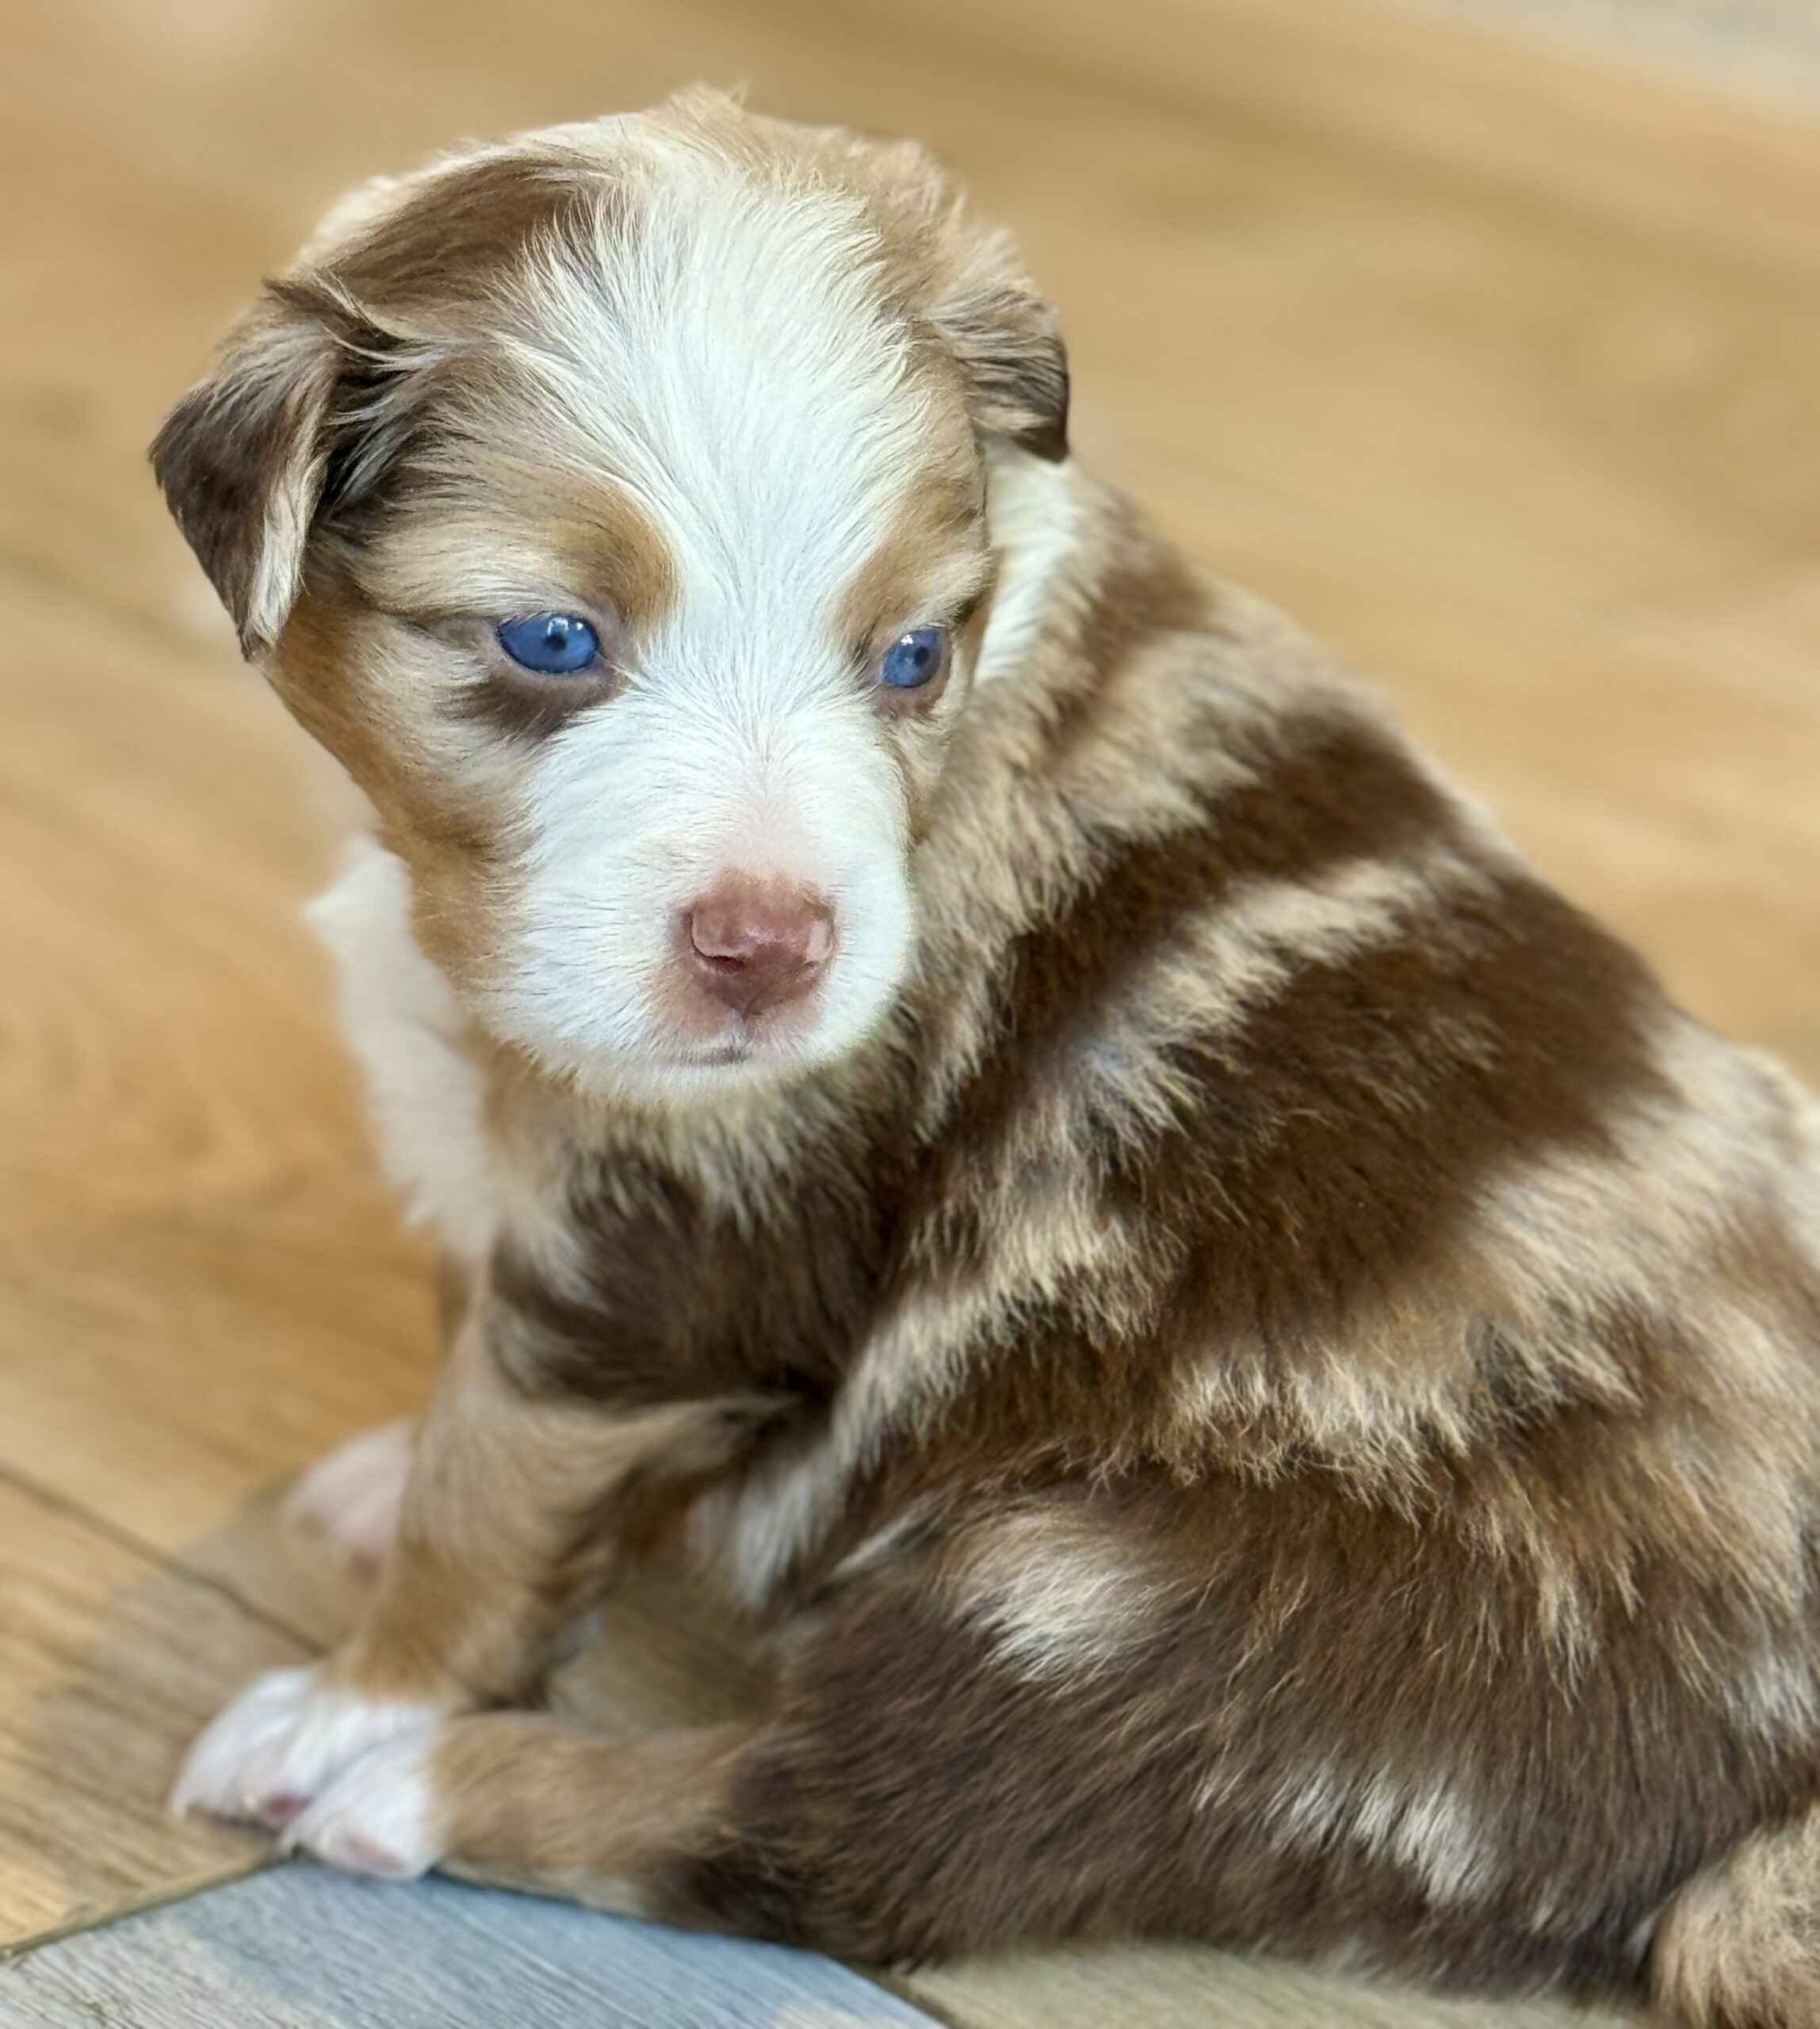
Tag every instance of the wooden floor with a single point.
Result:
(1501, 368)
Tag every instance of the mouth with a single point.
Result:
(705, 1036)
(741, 1042)
(736, 1049)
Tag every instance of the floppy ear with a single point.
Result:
(1007, 340)
(240, 461)
(308, 405)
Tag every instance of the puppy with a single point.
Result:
(1265, 1380)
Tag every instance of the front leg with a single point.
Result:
(503, 1541)
(352, 1499)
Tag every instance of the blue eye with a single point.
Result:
(553, 643)
(914, 657)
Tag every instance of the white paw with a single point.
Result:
(282, 1742)
(354, 1495)
(376, 1819)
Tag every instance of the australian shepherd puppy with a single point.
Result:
(1264, 1379)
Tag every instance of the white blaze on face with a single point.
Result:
(724, 362)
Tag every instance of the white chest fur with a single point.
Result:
(423, 1089)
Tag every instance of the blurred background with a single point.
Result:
(1484, 335)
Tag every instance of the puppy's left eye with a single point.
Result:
(552, 643)
(914, 658)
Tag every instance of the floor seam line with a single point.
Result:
(124, 1538)
(21, 1949)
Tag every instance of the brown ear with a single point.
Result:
(304, 410)
(1007, 340)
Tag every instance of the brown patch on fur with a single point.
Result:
(421, 258)
(589, 538)
(445, 834)
(781, 1304)
(932, 566)
(941, 516)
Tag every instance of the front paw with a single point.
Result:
(380, 1818)
(283, 1741)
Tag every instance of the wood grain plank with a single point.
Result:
(107, 1660)
(202, 1281)
(1768, 49)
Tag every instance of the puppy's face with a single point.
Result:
(612, 505)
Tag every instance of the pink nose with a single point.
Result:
(756, 945)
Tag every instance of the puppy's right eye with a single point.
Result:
(915, 658)
(552, 643)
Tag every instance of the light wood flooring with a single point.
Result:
(1501, 367)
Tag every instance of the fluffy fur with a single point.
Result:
(1263, 1377)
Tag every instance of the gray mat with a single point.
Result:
(297, 1947)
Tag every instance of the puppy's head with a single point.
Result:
(611, 504)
